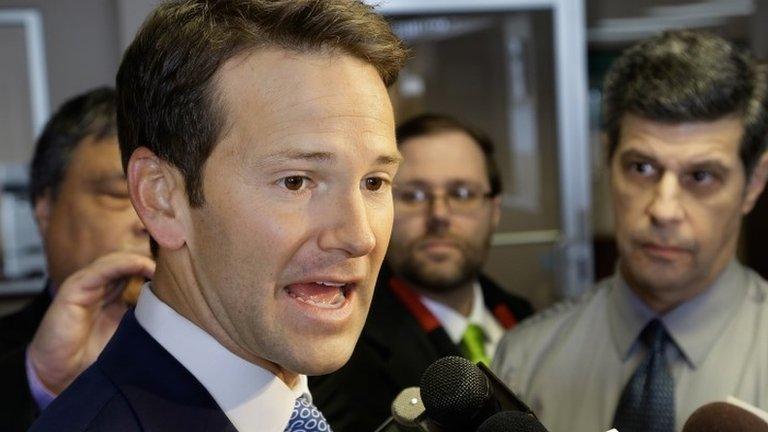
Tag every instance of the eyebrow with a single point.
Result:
(709, 165)
(450, 183)
(385, 159)
(300, 155)
(389, 159)
(712, 164)
(636, 154)
(111, 176)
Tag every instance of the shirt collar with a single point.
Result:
(455, 324)
(694, 326)
(252, 398)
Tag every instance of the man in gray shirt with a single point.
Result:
(681, 323)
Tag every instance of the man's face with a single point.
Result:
(441, 243)
(92, 214)
(298, 211)
(678, 194)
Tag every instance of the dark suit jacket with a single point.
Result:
(17, 407)
(396, 346)
(135, 385)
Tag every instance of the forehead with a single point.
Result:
(681, 143)
(441, 157)
(274, 96)
(92, 157)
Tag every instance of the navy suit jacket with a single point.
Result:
(18, 408)
(135, 385)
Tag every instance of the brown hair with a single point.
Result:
(433, 123)
(167, 97)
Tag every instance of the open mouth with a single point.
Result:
(321, 294)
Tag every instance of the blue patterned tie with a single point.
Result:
(306, 418)
(647, 403)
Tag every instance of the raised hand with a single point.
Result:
(83, 316)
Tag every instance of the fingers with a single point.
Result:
(88, 286)
(124, 290)
(82, 317)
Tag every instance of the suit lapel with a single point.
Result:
(164, 395)
(398, 331)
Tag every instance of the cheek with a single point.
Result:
(715, 223)
(629, 204)
(383, 228)
(406, 230)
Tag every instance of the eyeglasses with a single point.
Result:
(458, 198)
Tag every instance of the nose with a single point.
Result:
(439, 214)
(349, 229)
(666, 209)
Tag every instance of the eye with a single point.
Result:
(463, 193)
(374, 183)
(642, 168)
(116, 194)
(294, 183)
(702, 179)
(701, 176)
(411, 196)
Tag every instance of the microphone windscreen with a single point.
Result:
(724, 417)
(454, 391)
(511, 421)
(407, 408)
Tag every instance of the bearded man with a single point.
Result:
(433, 300)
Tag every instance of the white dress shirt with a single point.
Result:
(455, 324)
(251, 397)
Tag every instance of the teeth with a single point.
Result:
(331, 284)
(332, 303)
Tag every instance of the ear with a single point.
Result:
(42, 209)
(755, 184)
(155, 188)
(496, 210)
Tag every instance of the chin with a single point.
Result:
(322, 355)
(324, 361)
(659, 278)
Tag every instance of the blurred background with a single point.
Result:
(528, 72)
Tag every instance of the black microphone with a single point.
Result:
(724, 417)
(459, 396)
(507, 421)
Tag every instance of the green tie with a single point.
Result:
(473, 344)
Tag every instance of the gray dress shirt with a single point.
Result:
(570, 363)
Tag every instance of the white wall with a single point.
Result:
(81, 43)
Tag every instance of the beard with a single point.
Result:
(436, 275)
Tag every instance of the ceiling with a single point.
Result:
(620, 22)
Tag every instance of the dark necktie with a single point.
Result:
(647, 403)
(306, 418)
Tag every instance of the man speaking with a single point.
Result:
(258, 139)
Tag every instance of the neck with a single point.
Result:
(181, 292)
(459, 299)
(663, 299)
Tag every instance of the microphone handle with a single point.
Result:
(393, 426)
(506, 398)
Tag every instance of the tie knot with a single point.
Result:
(473, 344)
(306, 418)
(474, 332)
(654, 335)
